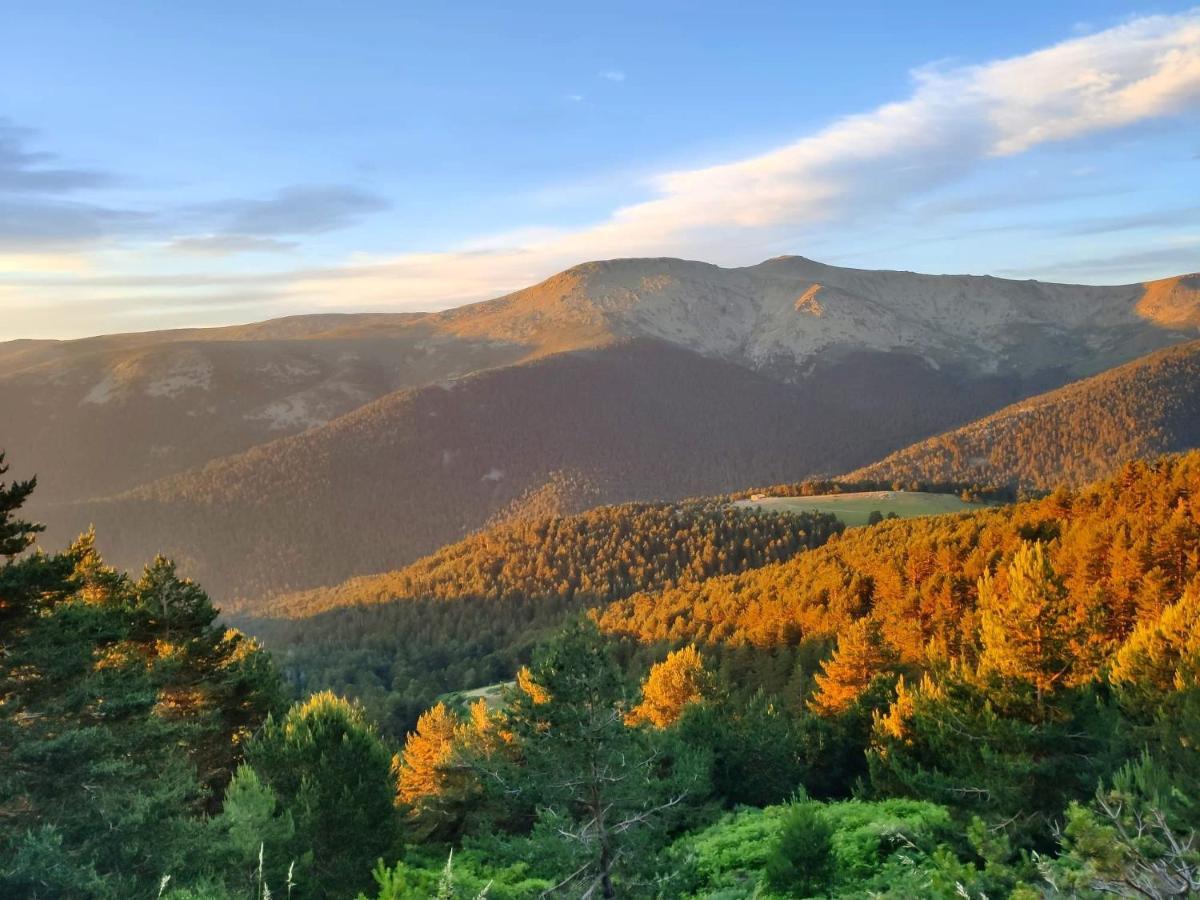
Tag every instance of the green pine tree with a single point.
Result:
(332, 774)
(603, 790)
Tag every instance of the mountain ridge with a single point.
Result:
(612, 381)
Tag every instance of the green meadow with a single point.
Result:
(855, 509)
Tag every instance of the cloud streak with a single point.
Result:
(26, 171)
(863, 165)
(1179, 256)
(303, 209)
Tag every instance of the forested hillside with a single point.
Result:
(469, 614)
(1072, 435)
(1120, 548)
(1012, 698)
(401, 477)
(608, 551)
(1001, 703)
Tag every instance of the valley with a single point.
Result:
(460, 560)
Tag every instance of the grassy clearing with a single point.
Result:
(854, 509)
(492, 693)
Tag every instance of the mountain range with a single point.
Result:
(299, 452)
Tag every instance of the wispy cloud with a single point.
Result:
(41, 210)
(1158, 218)
(53, 224)
(23, 170)
(37, 210)
(954, 120)
(612, 75)
(226, 244)
(228, 227)
(303, 209)
(1180, 257)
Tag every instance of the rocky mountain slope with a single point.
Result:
(103, 415)
(783, 313)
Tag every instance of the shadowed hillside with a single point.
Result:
(467, 615)
(300, 452)
(400, 477)
(106, 414)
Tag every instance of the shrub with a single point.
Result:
(802, 864)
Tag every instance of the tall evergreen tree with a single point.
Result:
(602, 789)
(862, 654)
(1029, 628)
(333, 775)
(671, 686)
(15, 534)
(114, 733)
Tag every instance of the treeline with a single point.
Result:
(1123, 548)
(969, 491)
(1070, 436)
(591, 557)
(469, 614)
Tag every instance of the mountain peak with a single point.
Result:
(790, 309)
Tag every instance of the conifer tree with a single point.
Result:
(1135, 839)
(1027, 624)
(333, 775)
(671, 686)
(255, 831)
(753, 745)
(601, 788)
(435, 772)
(113, 736)
(949, 739)
(15, 534)
(801, 863)
(419, 767)
(1162, 654)
(861, 655)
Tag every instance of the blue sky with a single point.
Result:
(182, 164)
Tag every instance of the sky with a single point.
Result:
(170, 165)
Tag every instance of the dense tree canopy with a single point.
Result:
(470, 614)
(999, 704)
(124, 708)
(1121, 548)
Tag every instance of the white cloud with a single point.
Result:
(854, 171)
(954, 120)
(228, 244)
(612, 75)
